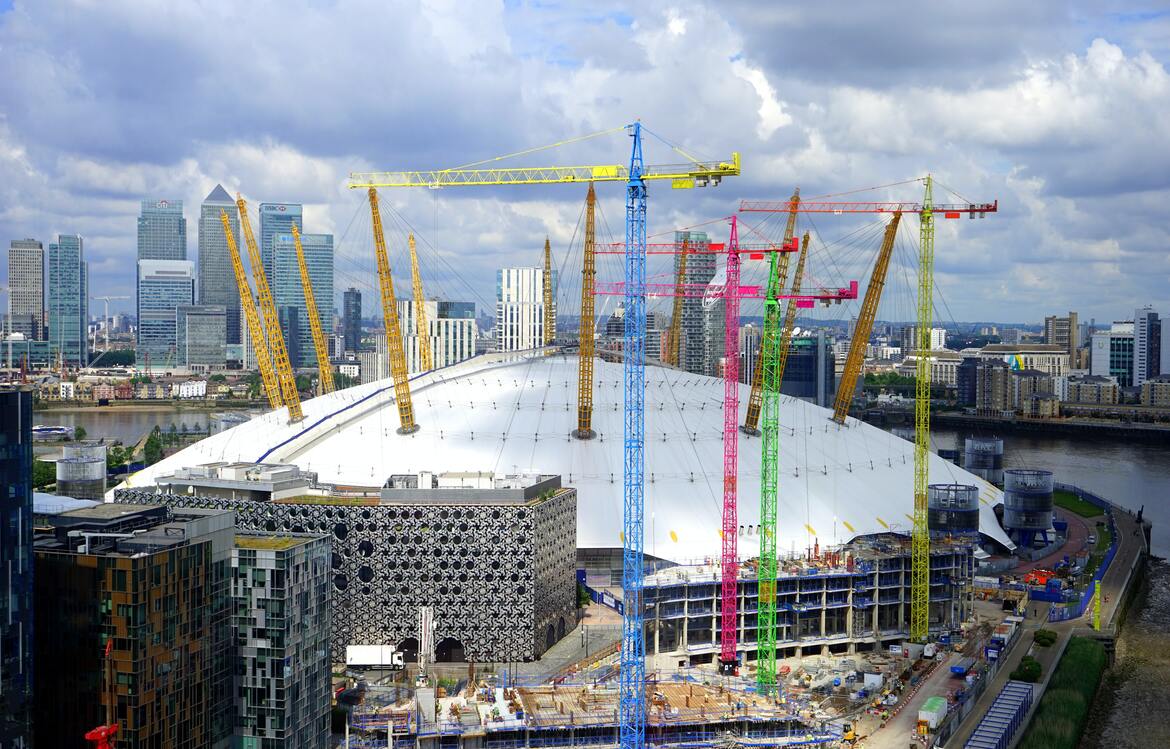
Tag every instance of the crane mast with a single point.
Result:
(324, 368)
(920, 539)
(284, 373)
(790, 313)
(729, 590)
(752, 418)
(632, 697)
(549, 319)
(769, 480)
(422, 327)
(873, 294)
(674, 336)
(255, 330)
(390, 320)
(585, 352)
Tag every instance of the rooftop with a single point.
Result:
(272, 542)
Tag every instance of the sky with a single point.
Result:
(1057, 110)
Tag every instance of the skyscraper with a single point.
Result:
(26, 288)
(200, 330)
(163, 286)
(1147, 345)
(162, 230)
(16, 564)
(151, 585)
(520, 308)
(277, 218)
(1112, 353)
(217, 279)
(702, 329)
(289, 295)
(280, 587)
(68, 300)
(1065, 332)
(452, 332)
(351, 319)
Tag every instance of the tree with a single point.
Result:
(116, 456)
(79, 433)
(341, 381)
(253, 381)
(217, 378)
(172, 435)
(153, 450)
(304, 383)
(44, 474)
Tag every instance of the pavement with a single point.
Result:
(1077, 539)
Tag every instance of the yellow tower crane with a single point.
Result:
(255, 330)
(422, 328)
(390, 320)
(751, 421)
(550, 320)
(324, 368)
(284, 373)
(873, 294)
(920, 537)
(585, 353)
(674, 334)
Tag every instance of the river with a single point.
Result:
(1132, 475)
(128, 424)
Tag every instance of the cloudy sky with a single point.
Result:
(1058, 110)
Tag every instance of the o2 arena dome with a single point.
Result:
(513, 413)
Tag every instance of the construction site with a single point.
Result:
(776, 567)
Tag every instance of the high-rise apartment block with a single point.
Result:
(16, 568)
(163, 287)
(162, 230)
(217, 279)
(289, 294)
(1112, 353)
(1066, 333)
(26, 288)
(276, 218)
(200, 330)
(520, 308)
(280, 621)
(452, 332)
(702, 327)
(135, 601)
(351, 318)
(1147, 345)
(909, 338)
(68, 301)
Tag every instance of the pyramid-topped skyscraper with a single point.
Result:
(217, 282)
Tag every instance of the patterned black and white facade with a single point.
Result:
(499, 572)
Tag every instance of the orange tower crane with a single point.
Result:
(584, 429)
(390, 319)
(422, 327)
(324, 367)
(873, 294)
(284, 373)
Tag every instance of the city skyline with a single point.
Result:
(869, 118)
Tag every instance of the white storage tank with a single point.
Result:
(82, 478)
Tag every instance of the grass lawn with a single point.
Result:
(1073, 503)
(1060, 717)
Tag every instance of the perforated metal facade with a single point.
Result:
(500, 576)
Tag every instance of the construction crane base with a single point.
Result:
(750, 431)
(408, 430)
(583, 434)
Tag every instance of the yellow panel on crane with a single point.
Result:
(390, 319)
(324, 367)
(873, 294)
(284, 373)
(751, 421)
(255, 331)
(422, 328)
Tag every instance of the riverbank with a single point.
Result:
(151, 406)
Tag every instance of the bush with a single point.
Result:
(1029, 670)
(44, 473)
(1061, 715)
(1044, 637)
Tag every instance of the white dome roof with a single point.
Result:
(511, 413)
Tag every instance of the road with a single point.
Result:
(899, 730)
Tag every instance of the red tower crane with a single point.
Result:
(731, 292)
